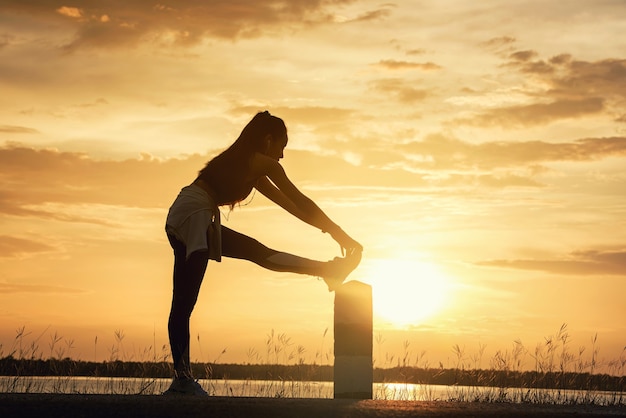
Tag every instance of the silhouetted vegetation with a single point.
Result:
(283, 369)
(10, 366)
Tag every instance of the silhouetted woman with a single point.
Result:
(195, 233)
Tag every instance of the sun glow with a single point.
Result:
(406, 292)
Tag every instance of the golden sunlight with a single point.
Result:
(406, 292)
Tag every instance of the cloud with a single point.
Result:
(13, 246)
(567, 77)
(98, 102)
(5, 40)
(12, 288)
(407, 65)
(31, 178)
(41, 208)
(571, 77)
(118, 23)
(605, 78)
(538, 113)
(506, 180)
(443, 152)
(309, 115)
(39, 182)
(70, 11)
(499, 42)
(371, 15)
(416, 51)
(12, 129)
(400, 89)
(559, 88)
(523, 55)
(590, 262)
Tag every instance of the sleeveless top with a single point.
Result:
(228, 183)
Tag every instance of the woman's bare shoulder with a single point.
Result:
(262, 165)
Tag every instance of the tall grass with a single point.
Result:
(61, 370)
(558, 374)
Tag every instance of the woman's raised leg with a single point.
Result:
(238, 245)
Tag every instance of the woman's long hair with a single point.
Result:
(228, 170)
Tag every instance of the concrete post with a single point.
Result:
(353, 373)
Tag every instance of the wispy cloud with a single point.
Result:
(444, 152)
(308, 115)
(31, 177)
(498, 43)
(538, 113)
(560, 87)
(11, 129)
(407, 65)
(378, 13)
(12, 288)
(569, 77)
(125, 23)
(74, 12)
(14, 246)
(588, 262)
(34, 179)
(5, 40)
(401, 90)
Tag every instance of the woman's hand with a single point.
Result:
(348, 244)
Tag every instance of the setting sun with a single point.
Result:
(406, 292)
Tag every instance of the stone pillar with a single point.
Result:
(353, 373)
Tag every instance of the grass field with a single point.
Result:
(560, 376)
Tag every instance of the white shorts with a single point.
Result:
(194, 219)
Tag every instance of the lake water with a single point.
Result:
(298, 389)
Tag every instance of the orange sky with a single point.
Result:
(476, 149)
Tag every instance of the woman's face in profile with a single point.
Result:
(276, 147)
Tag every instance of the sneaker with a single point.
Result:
(339, 268)
(186, 387)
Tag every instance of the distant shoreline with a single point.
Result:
(154, 406)
(10, 366)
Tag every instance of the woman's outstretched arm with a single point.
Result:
(277, 187)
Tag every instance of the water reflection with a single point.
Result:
(306, 389)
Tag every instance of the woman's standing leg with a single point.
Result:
(188, 275)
